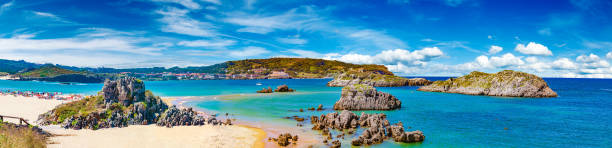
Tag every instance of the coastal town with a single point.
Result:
(42, 95)
(254, 74)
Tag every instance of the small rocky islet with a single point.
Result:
(377, 127)
(374, 79)
(122, 102)
(505, 83)
(365, 97)
(280, 88)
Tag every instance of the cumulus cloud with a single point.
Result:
(506, 60)
(564, 63)
(609, 55)
(592, 61)
(393, 57)
(533, 49)
(495, 49)
(292, 41)
(208, 43)
(248, 52)
(587, 59)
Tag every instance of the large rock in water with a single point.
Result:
(365, 97)
(506, 83)
(377, 80)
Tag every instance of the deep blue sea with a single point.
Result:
(580, 117)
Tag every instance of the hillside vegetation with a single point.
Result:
(302, 67)
(48, 71)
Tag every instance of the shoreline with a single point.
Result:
(307, 137)
(134, 135)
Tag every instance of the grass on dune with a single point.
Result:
(12, 136)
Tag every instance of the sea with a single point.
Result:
(580, 117)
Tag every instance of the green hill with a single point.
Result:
(301, 67)
(47, 71)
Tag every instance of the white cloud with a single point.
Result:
(393, 57)
(531, 59)
(495, 49)
(248, 52)
(216, 44)
(186, 3)
(108, 44)
(490, 37)
(597, 44)
(297, 18)
(6, 6)
(292, 40)
(507, 59)
(533, 49)
(176, 21)
(592, 61)
(609, 55)
(45, 14)
(564, 63)
(587, 59)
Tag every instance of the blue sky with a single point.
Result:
(554, 38)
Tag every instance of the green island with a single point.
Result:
(507, 83)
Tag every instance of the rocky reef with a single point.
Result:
(284, 139)
(505, 83)
(121, 103)
(283, 88)
(265, 90)
(365, 97)
(377, 80)
(377, 127)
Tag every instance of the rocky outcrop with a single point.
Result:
(264, 90)
(125, 91)
(365, 97)
(284, 139)
(283, 88)
(506, 83)
(177, 117)
(396, 132)
(121, 103)
(377, 127)
(377, 80)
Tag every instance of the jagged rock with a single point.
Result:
(365, 97)
(506, 83)
(397, 133)
(176, 117)
(125, 91)
(336, 144)
(372, 135)
(377, 80)
(283, 88)
(344, 120)
(320, 107)
(285, 139)
(264, 90)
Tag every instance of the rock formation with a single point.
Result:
(285, 139)
(377, 80)
(283, 88)
(506, 83)
(377, 127)
(365, 97)
(264, 90)
(121, 103)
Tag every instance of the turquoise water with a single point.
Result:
(580, 117)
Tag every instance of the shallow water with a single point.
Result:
(580, 117)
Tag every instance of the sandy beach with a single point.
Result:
(25, 107)
(134, 135)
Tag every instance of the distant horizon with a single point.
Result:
(565, 38)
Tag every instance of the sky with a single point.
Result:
(550, 38)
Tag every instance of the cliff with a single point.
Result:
(377, 80)
(506, 83)
(365, 97)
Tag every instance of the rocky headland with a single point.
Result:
(374, 79)
(377, 127)
(365, 97)
(121, 102)
(283, 88)
(505, 83)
